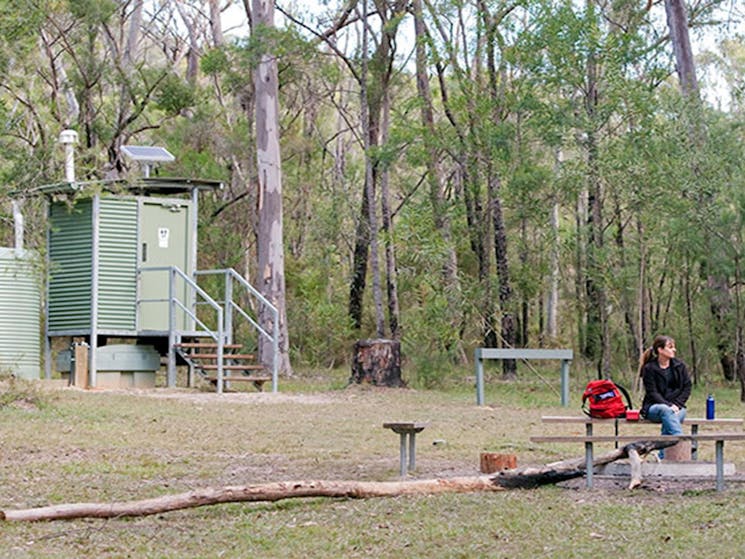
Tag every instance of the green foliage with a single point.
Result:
(174, 95)
(92, 11)
(214, 61)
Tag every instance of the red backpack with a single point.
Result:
(602, 399)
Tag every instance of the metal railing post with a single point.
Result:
(220, 352)
(228, 309)
(275, 351)
(171, 373)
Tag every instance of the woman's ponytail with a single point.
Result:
(645, 358)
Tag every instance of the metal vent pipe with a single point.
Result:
(69, 138)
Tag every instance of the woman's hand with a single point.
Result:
(675, 408)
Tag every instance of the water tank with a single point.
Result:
(20, 312)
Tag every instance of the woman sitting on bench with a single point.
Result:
(667, 386)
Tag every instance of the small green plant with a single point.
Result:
(20, 392)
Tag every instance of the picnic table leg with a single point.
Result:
(694, 442)
(719, 451)
(616, 427)
(588, 464)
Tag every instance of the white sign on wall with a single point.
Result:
(163, 235)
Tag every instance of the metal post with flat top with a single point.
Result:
(563, 355)
(407, 430)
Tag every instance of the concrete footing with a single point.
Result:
(666, 469)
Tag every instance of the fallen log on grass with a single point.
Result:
(527, 477)
(254, 493)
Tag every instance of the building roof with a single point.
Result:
(141, 186)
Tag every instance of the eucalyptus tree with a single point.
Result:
(466, 59)
(731, 351)
(271, 275)
(374, 29)
(435, 174)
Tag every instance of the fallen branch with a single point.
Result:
(248, 493)
(527, 477)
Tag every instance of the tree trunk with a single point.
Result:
(494, 186)
(371, 99)
(552, 303)
(718, 285)
(597, 342)
(509, 367)
(436, 181)
(218, 39)
(271, 272)
(371, 135)
(677, 22)
(391, 274)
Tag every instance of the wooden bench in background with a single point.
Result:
(563, 355)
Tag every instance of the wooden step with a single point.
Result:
(204, 345)
(224, 355)
(242, 378)
(258, 382)
(213, 367)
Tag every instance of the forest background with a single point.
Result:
(455, 174)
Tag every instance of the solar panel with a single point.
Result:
(149, 154)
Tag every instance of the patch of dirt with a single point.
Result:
(236, 397)
(654, 487)
(24, 404)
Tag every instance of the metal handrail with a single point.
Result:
(230, 304)
(173, 302)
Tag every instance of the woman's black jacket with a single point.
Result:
(665, 386)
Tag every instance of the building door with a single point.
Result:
(164, 241)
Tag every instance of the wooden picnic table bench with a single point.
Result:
(589, 440)
(693, 422)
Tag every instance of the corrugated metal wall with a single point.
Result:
(20, 301)
(70, 256)
(117, 264)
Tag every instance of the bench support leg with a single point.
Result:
(412, 452)
(694, 442)
(479, 379)
(564, 382)
(719, 451)
(588, 465)
(402, 462)
(410, 446)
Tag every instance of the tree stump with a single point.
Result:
(680, 452)
(492, 462)
(377, 362)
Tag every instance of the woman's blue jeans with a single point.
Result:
(662, 413)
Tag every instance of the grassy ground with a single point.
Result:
(68, 446)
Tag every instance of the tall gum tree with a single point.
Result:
(270, 249)
(718, 283)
